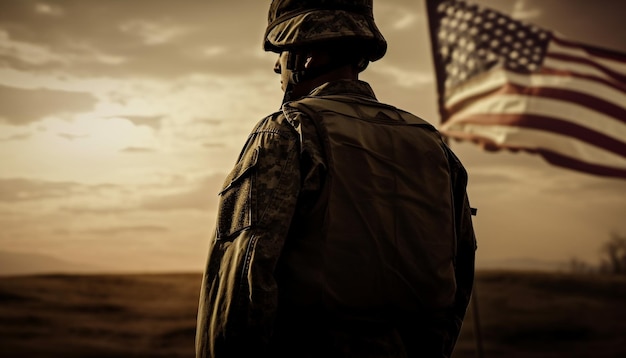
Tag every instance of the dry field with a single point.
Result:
(520, 315)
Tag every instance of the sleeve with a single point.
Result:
(238, 297)
(466, 249)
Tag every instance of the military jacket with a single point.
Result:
(341, 205)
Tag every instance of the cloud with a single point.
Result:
(214, 51)
(158, 38)
(201, 197)
(16, 137)
(213, 145)
(97, 211)
(403, 77)
(138, 150)
(18, 189)
(71, 137)
(397, 16)
(49, 9)
(152, 32)
(20, 106)
(206, 121)
(405, 21)
(153, 122)
(120, 230)
(522, 11)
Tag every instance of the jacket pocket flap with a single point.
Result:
(241, 170)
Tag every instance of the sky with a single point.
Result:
(120, 119)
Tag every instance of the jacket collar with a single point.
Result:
(344, 87)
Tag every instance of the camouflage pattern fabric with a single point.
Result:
(299, 23)
(257, 202)
(277, 178)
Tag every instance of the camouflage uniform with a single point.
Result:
(271, 192)
(296, 268)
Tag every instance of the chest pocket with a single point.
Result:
(237, 207)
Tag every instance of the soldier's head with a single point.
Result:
(321, 39)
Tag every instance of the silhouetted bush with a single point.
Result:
(614, 255)
(578, 266)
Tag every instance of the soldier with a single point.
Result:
(344, 229)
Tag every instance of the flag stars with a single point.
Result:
(474, 39)
(454, 71)
(458, 56)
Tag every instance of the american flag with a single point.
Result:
(506, 84)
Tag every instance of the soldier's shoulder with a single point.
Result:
(275, 122)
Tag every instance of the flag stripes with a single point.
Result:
(515, 86)
(549, 124)
(498, 136)
(507, 97)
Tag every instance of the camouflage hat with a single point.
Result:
(298, 23)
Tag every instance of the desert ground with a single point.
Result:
(520, 314)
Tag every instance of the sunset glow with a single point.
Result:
(120, 120)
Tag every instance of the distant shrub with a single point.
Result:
(614, 255)
(580, 267)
